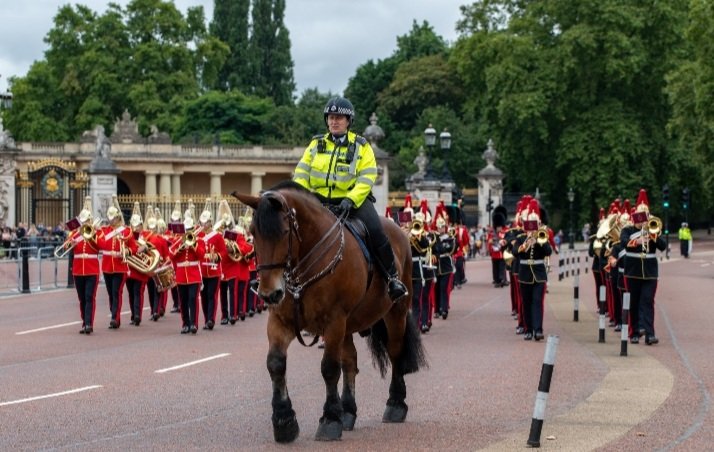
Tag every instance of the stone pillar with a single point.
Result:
(216, 182)
(102, 186)
(176, 184)
(150, 182)
(490, 184)
(8, 205)
(256, 182)
(165, 183)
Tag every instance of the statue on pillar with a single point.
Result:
(104, 146)
(421, 161)
(490, 154)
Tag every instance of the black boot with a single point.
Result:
(395, 287)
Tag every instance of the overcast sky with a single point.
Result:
(330, 38)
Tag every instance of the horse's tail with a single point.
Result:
(412, 356)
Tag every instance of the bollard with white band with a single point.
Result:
(576, 298)
(601, 297)
(625, 323)
(546, 374)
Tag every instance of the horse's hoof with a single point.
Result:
(395, 412)
(348, 421)
(329, 430)
(286, 430)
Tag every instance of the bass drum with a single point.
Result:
(165, 278)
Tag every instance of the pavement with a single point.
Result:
(149, 387)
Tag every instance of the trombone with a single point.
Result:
(88, 232)
(189, 241)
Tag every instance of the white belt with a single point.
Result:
(210, 264)
(641, 255)
(620, 270)
(112, 253)
(444, 255)
(417, 259)
(86, 256)
(532, 262)
(187, 264)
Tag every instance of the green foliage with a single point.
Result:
(230, 25)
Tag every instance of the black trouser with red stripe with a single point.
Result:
(115, 289)
(532, 296)
(242, 287)
(420, 303)
(154, 296)
(136, 297)
(209, 294)
(228, 296)
(189, 303)
(86, 286)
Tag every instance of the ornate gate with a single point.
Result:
(50, 192)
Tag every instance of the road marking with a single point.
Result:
(181, 366)
(48, 396)
(62, 325)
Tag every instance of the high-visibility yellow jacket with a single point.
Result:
(344, 170)
(685, 234)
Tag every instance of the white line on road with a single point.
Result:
(181, 366)
(57, 394)
(78, 322)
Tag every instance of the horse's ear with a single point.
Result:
(248, 200)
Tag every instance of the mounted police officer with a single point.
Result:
(340, 168)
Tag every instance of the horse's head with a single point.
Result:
(275, 238)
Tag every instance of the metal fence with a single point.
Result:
(44, 270)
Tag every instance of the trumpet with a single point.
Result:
(654, 227)
(542, 235)
(417, 228)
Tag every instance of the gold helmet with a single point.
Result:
(150, 218)
(114, 211)
(188, 222)
(176, 213)
(86, 213)
(136, 219)
(160, 223)
(206, 215)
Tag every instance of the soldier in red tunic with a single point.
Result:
(211, 265)
(151, 236)
(85, 266)
(115, 241)
(136, 277)
(187, 252)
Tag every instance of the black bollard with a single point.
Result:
(70, 276)
(625, 323)
(602, 299)
(25, 269)
(546, 374)
(576, 298)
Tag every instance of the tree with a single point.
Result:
(269, 53)
(230, 25)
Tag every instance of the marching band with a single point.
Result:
(212, 264)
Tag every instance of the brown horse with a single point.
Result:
(314, 277)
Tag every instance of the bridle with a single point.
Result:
(297, 271)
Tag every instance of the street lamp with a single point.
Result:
(430, 141)
(445, 141)
(571, 198)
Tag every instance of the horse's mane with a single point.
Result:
(267, 220)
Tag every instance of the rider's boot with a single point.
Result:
(395, 287)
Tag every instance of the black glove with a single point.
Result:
(346, 204)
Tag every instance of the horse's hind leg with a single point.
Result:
(349, 374)
(285, 425)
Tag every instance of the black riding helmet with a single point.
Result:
(340, 106)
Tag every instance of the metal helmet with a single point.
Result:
(340, 106)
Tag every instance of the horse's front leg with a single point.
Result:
(285, 425)
(349, 374)
(330, 428)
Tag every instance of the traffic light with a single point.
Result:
(665, 196)
(685, 198)
(489, 206)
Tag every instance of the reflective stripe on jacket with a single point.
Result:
(325, 168)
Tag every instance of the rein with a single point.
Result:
(298, 278)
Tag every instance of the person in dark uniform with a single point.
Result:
(510, 257)
(444, 249)
(641, 242)
(211, 265)
(595, 252)
(533, 249)
(339, 167)
(420, 300)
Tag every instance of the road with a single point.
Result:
(149, 387)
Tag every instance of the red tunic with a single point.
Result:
(214, 243)
(187, 261)
(86, 256)
(110, 242)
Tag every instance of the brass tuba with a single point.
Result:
(145, 262)
(417, 228)
(233, 251)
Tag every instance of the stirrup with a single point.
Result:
(396, 289)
